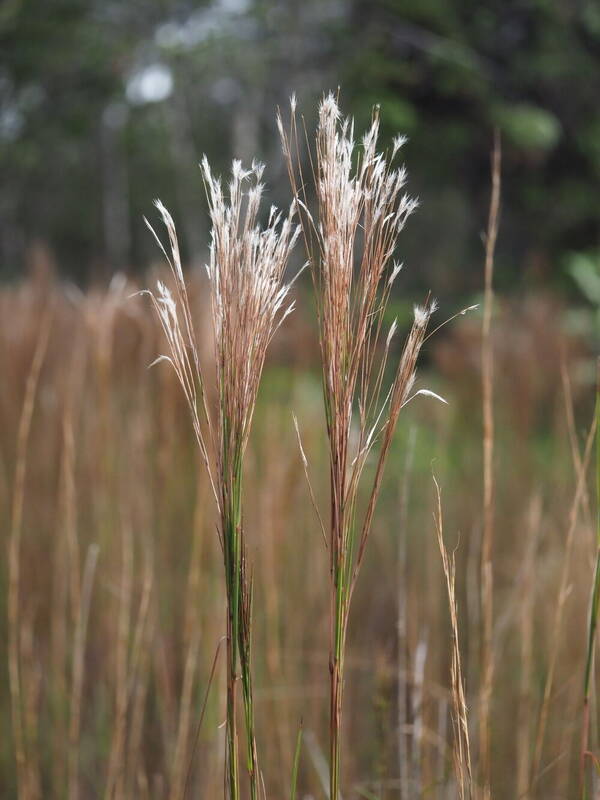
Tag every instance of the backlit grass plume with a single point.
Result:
(248, 301)
(351, 241)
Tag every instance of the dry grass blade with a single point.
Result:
(116, 776)
(362, 208)
(487, 385)
(308, 481)
(194, 748)
(404, 687)
(14, 554)
(78, 669)
(462, 747)
(588, 681)
(526, 633)
(563, 594)
(138, 678)
(192, 638)
(186, 706)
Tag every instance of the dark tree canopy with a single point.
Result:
(105, 105)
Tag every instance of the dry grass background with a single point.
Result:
(120, 597)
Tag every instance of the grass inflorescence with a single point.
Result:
(248, 302)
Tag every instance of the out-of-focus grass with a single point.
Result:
(111, 463)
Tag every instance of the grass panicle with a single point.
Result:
(351, 240)
(249, 300)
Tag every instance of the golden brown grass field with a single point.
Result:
(112, 590)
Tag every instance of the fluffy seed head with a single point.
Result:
(246, 270)
(362, 208)
(248, 301)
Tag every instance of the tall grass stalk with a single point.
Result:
(487, 386)
(248, 303)
(526, 633)
(405, 688)
(26, 780)
(563, 594)
(351, 241)
(462, 746)
(78, 669)
(594, 606)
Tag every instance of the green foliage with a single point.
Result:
(444, 73)
(584, 269)
(528, 127)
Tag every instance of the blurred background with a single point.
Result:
(115, 614)
(106, 105)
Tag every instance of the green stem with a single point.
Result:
(231, 556)
(239, 634)
(337, 680)
(246, 663)
(232, 756)
(296, 764)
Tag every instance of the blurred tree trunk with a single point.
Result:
(115, 190)
(245, 141)
(12, 238)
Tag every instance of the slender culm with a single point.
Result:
(248, 301)
(351, 240)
